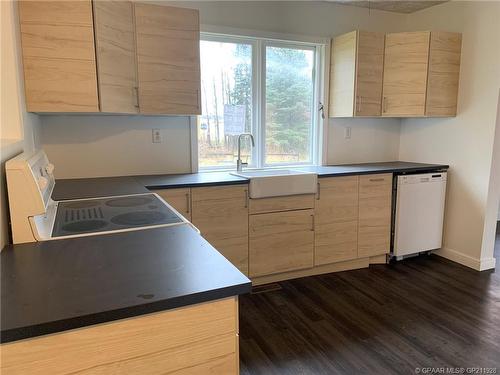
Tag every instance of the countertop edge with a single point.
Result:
(61, 326)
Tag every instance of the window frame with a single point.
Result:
(259, 44)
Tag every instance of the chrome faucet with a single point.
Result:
(239, 162)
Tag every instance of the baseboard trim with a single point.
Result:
(466, 260)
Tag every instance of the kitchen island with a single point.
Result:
(157, 297)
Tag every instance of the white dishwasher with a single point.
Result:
(419, 213)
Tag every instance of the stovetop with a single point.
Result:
(111, 214)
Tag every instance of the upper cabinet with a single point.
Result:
(116, 56)
(58, 56)
(144, 58)
(168, 59)
(357, 61)
(414, 74)
(405, 74)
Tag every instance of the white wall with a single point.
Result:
(87, 146)
(100, 145)
(466, 141)
(19, 129)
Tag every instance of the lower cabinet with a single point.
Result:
(375, 208)
(180, 199)
(196, 339)
(336, 209)
(280, 242)
(221, 214)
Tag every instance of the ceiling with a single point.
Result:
(399, 6)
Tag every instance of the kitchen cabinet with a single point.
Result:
(405, 73)
(116, 56)
(443, 74)
(336, 210)
(375, 209)
(221, 214)
(168, 59)
(110, 56)
(280, 242)
(409, 74)
(58, 56)
(195, 339)
(180, 199)
(421, 73)
(356, 70)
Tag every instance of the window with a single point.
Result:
(264, 87)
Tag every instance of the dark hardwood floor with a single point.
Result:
(388, 319)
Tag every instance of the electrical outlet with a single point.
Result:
(157, 136)
(347, 132)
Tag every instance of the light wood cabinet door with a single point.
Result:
(405, 74)
(168, 59)
(180, 199)
(342, 75)
(221, 214)
(281, 241)
(116, 56)
(444, 69)
(356, 70)
(336, 211)
(369, 73)
(375, 208)
(58, 56)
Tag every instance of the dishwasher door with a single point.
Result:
(419, 213)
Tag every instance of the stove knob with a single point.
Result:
(42, 182)
(49, 168)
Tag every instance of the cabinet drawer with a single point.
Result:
(281, 241)
(375, 204)
(276, 204)
(180, 199)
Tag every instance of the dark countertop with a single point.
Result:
(79, 188)
(190, 179)
(106, 186)
(373, 168)
(53, 286)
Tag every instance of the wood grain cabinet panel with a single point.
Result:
(221, 214)
(342, 75)
(375, 208)
(197, 339)
(369, 73)
(281, 241)
(357, 61)
(405, 74)
(180, 199)
(168, 58)
(444, 69)
(285, 203)
(336, 210)
(116, 56)
(58, 56)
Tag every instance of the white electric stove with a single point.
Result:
(36, 217)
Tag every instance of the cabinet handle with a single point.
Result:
(318, 193)
(246, 198)
(376, 179)
(384, 104)
(188, 203)
(312, 223)
(360, 103)
(136, 91)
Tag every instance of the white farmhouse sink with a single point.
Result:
(278, 182)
